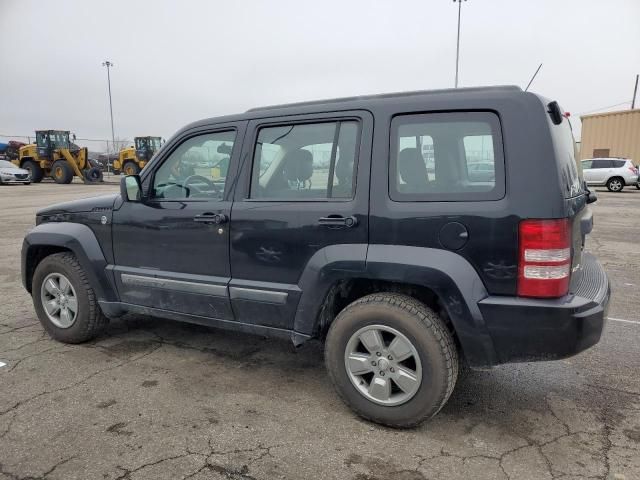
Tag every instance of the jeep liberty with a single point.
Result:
(409, 232)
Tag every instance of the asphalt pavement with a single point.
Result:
(155, 399)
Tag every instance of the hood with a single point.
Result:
(103, 202)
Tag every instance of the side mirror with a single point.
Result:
(131, 188)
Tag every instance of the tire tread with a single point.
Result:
(431, 321)
(96, 320)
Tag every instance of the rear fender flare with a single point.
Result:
(446, 273)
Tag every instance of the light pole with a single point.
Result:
(458, 42)
(109, 64)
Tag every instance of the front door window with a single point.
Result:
(197, 169)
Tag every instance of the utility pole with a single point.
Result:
(458, 41)
(109, 64)
(635, 91)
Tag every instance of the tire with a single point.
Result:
(34, 169)
(638, 185)
(437, 359)
(88, 319)
(93, 175)
(615, 184)
(130, 168)
(61, 172)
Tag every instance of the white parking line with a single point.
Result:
(2, 364)
(634, 322)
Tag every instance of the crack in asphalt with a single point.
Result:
(14, 476)
(75, 384)
(241, 473)
(54, 349)
(613, 389)
(43, 337)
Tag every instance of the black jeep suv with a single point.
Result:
(408, 231)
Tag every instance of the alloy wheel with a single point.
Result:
(383, 365)
(59, 300)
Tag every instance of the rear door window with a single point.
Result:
(446, 157)
(600, 164)
(312, 161)
(618, 163)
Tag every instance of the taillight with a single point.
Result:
(544, 265)
(634, 170)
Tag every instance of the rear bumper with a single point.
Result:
(524, 330)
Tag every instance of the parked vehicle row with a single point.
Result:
(402, 270)
(55, 155)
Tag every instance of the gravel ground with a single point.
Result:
(153, 399)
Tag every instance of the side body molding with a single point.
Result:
(85, 246)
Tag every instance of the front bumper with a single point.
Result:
(524, 330)
(11, 180)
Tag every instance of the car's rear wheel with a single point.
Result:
(615, 184)
(65, 303)
(391, 359)
(638, 185)
(35, 171)
(61, 172)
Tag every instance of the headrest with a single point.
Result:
(298, 166)
(412, 168)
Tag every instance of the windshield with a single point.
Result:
(57, 139)
(5, 164)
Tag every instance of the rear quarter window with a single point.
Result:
(455, 156)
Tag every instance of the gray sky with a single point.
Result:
(179, 61)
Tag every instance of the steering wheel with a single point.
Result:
(200, 178)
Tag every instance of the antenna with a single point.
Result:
(534, 76)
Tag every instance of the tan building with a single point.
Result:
(611, 134)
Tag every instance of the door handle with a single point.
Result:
(211, 218)
(338, 221)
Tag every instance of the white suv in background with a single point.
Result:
(614, 173)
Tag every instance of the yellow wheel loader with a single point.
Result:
(53, 155)
(133, 159)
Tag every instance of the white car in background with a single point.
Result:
(9, 173)
(614, 173)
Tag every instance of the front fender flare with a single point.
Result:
(82, 242)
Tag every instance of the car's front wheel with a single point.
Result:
(615, 184)
(391, 359)
(65, 303)
(638, 185)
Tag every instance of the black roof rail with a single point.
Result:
(501, 88)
